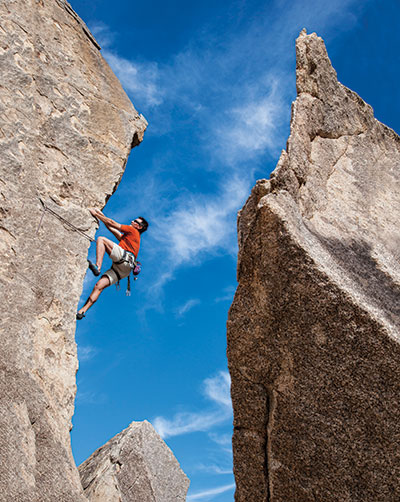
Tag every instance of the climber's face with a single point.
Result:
(137, 223)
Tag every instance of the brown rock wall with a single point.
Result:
(313, 332)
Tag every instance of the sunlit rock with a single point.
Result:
(134, 466)
(66, 130)
(313, 332)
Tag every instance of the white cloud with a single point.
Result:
(86, 352)
(217, 390)
(141, 79)
(87, 284)
(211, 492)
(217, 469)
(198, 227)
(221, 439)
(88, 397)
(227, 295)
(104, 36)
(184, 423)
(251, 127)
(202, 223)
(187, 306)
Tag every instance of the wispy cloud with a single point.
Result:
(216, 390)
(196, 228)
(87, 285)
(86, 352)
(224, 441)
(211, 492)
(221, 439)
(89, 397)
(140, 79)
(200, 223)
(184, 423)
(251, 127)
(104, 36)
(227, 295)
(222, 81)
(215, 469)
(183, 309)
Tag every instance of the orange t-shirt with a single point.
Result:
(130, 241)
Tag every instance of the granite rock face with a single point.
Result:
(134, 466)
(66, 130)
(313, 332)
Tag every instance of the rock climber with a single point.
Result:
(129, 243)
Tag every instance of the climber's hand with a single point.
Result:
(94, 212)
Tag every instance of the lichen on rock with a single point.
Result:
(313, 332)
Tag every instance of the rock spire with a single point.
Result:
(313, 332)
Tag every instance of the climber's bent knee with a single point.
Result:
(108, 244)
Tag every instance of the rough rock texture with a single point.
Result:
(66, 130)
(134, 466)
(313, 332)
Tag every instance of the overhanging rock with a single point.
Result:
(66, 130)
(313, 332)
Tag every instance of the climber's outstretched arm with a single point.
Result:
(113, 226)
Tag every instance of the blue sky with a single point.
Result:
(215, 81)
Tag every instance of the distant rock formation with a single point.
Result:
(134, 466)
(313, 332)
(66, 130)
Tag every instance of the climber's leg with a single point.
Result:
(100, 285)
(103, 245)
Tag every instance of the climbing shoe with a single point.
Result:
(80, 316)
(93, 268)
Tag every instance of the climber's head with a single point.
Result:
(140, 224)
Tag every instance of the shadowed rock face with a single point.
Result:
(134, 466)
(66, 130)
(313, 332)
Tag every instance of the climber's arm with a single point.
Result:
(115, 232)
(113, 226)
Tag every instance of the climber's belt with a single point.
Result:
(128, 258)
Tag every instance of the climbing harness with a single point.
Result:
(135, 266)
(49, 210)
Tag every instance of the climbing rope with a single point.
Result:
(49, 210)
